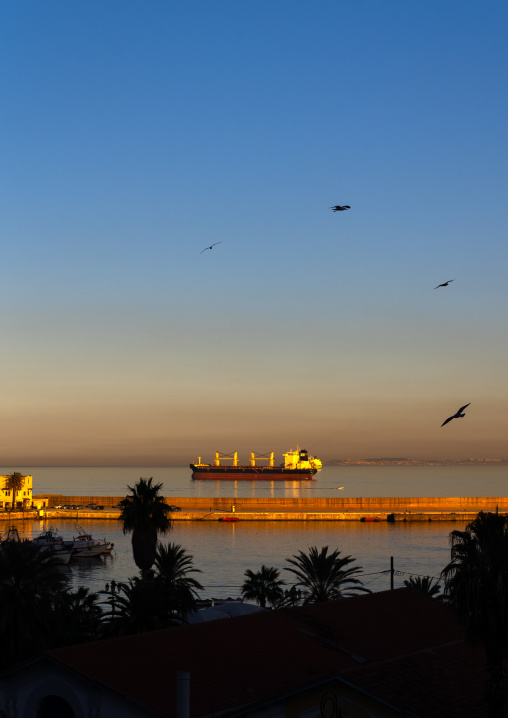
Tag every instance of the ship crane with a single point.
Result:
(261, 457)
(219, 456)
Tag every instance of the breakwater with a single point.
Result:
(302, 505)
(391, 509)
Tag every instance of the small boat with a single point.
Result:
(230, 519)
(50, 541)
(370, 518)
(10, 535)
(85, 546)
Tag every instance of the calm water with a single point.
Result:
(356, 480)
(224, 551)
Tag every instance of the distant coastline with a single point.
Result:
(402, 461)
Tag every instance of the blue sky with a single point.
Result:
(136, 134)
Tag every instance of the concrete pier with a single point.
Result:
(391, 509)
(385, 505)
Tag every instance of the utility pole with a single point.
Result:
(391, 573)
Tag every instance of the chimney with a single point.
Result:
(182, 694)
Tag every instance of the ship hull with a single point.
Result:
(251, 473)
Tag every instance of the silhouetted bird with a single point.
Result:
(458, 415)
(445, 284)
(213, 245)
(339, 208)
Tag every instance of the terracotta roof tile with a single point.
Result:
(399, 645)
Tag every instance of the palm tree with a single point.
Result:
(79, 614)
(14, 482)
(325, 576)
(29, 581)
(136, 607)
(146, 515)
(172, 568)
(424, 585)
(476, 585)
(265, 586)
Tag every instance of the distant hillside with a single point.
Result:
(402, 461)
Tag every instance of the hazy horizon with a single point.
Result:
(136, 136)
(244, 457)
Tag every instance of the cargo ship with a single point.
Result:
(297, 466)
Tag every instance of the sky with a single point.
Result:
(135, 134)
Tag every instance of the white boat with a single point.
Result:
(85, 546)
(50, 541)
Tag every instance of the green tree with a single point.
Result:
(476, 585)
(324, 576)
(14, 482)
(172, 568)
(146, 515)
(423, 584)
(29, 581)
(264, 586)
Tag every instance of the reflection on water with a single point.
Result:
(480, 480)
(224, 551)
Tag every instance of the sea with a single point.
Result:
(223, 552)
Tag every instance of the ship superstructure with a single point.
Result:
(300, 459)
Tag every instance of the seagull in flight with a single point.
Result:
(340, 208)
(213, 245)
(459, 414)
(445, 284)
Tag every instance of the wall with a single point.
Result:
(388, 504)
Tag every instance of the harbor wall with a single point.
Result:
(390, 509)
(302, 505)
(73, 515)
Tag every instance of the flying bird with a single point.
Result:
(458, 415)
(445, 284)
(213, 245)
(340, 208)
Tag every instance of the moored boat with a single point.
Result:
(85, 546)
(50, 541)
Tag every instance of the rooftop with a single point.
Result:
(401, 646)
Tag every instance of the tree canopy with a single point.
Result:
(30, 578)
(423, 584)
(145, 514)
(264, 586)
(324, 575)
(476, 585)
(14, 482)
